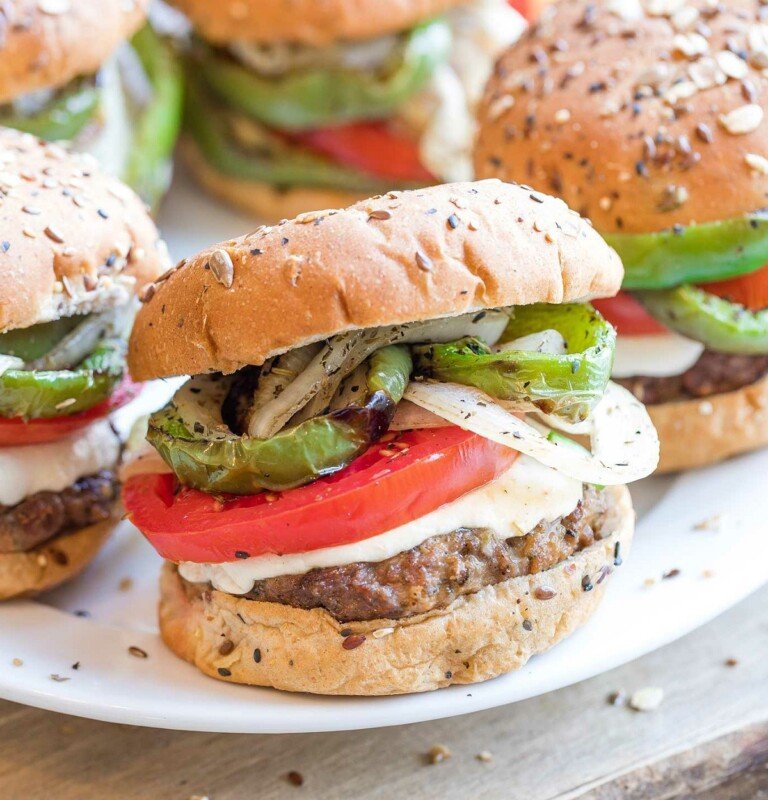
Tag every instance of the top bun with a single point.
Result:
(311, 22)
(402, 257)
(72, 240)
(640, 114)
(46, 43)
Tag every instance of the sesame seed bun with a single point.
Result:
(46, 43)
(72, 239)
(311, 22)
(266, 202)
(51, 564)
(695, 433)
(475, 638)
(638, 117)
(403, 257)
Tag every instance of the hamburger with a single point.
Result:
(75, 248)
(300, 105)
(372, 484)
(648, 117)
(94, 76)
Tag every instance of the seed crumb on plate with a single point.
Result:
(648, 698)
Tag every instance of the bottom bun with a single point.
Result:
(477, 637)
(695, 433)
(262, 200)
(50, 564)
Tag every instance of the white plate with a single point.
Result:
(49, 637)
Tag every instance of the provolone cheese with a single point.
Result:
(54, 466)
(512, 505)
(656, 355)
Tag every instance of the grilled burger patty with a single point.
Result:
(713, 373)
(439, 570)
(43, 515)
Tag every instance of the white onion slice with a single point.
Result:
(10, 362)
(546, 341)
(625, 446)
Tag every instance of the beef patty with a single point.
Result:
(43, 515)
(440, 569)
(713, 373)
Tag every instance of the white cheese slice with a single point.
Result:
(512, 505)
(658, 355)
(54, 466)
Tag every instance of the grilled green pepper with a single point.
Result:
(220, 461)
(567, 385)
(717, 323)
(271, 159)
(312, 98)
(32, 343)
(694, 254)
(63, 118)
(56, 393)
(156, 125)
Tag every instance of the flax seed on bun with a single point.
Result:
(72, 239)
(402, 257)
(311, 22)
(47, 43)
(640, 114)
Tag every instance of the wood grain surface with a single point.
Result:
(708, 740)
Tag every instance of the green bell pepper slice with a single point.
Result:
(156, 125)
(568, 385)
(313, 98)
(34, 342)
(57, 393)
(717, 323)
(231, 464)
(63, 118)
(273, 160)
(695, 254)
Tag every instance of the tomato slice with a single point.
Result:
(16, 431)
(628, 316)
(372, 147)
(750, 291)
(389, 485)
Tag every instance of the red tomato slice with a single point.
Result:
(371, 147)
(750, 291)
(391, 484)
(628, 316)
(16, 431)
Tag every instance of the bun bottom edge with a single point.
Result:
(48, 565)
(476, 638)
(261, 200)
(697, 433)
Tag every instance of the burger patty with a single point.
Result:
(43, 515)
(713, 373)
(440, 569)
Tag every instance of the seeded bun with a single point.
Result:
(600, 104)
(266, 202)
(475, 638)
(72, 240)
(312, 22)
(46, 43)
(696, 433)
(404, 257)
(50, 564)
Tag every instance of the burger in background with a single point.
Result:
(75, 249)
(648, 117)
(293, 106)
(94, 76)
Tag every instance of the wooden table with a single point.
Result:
(708, 740)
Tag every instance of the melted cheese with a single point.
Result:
(54, 466)
(512, 505)
(656, 355)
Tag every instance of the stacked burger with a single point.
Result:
(301, 105)
(648, 117)
(399, 463)
(75, 249)
(89, 75)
